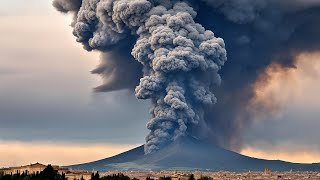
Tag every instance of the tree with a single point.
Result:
(48, 173)
(191, 177)
(63, 176)
(165, 178)
(95, 176)
(205, 178)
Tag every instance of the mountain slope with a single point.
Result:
(190, 154)
(127, 156)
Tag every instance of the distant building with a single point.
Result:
(78, 175)
(267, 171)
(180, 176)
(31, 169)
(37, 168)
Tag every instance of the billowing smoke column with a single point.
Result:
(177, 54)
(180, 58)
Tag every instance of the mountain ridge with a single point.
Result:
(188, 153)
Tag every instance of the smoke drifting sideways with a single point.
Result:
(179, 60)
(257, 34)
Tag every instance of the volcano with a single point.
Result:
(188, 154)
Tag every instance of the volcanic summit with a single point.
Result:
(188, 153)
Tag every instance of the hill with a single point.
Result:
(190, 154)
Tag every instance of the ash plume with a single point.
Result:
(66, 6)
(176, 54)
(257, 34)
(170, 48)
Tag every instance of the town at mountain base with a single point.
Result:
(30, 172)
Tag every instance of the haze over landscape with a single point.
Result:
(48, 106)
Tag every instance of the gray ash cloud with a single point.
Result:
(170, 47)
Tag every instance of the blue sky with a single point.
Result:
(46, 98)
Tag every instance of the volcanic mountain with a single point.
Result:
(190, 154)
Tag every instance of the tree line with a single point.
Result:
(47, 174)
(50, 174)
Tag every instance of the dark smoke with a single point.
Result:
(66, 6)
(118, 69)
(180, 59)
(257, 34)
(167, 42)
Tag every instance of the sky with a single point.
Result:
(47, 104)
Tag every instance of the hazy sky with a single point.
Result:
(46, 88)
(47, 103)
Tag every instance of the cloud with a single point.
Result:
(267, 34)
(65, 6)
(6, 71)
(287, 153)
(17, 153)
(176, 56)
(285, 110)
(25, 8)
(43, 97)
(52, 87)
(281, 87)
